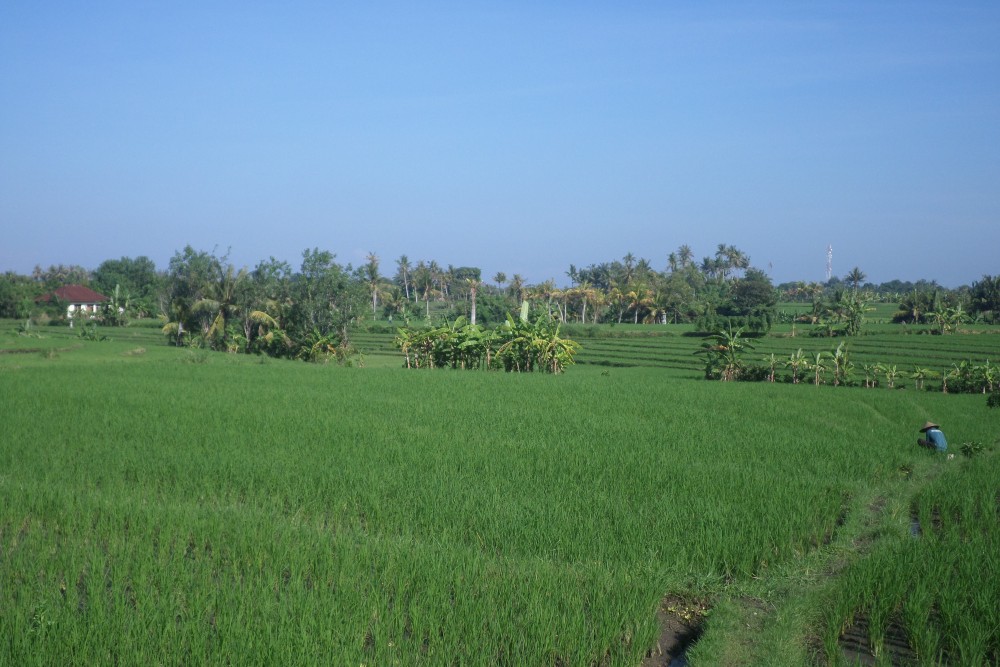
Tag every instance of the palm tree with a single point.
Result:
(423, 280)
(686, 255)
(639, 297)
(573, 274)
(373, 279)
(500, 278)
(855, 277)
(403, 271)
(473, 286)
(584, 291)
(438, 278)
(220, 302)
(618, 300)
(629, 264)
(517, 287)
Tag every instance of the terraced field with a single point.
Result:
(673, 347)
(164, 505)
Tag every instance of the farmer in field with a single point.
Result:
(933, 437)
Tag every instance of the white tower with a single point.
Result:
(829, 262)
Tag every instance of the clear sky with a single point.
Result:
(514, 136)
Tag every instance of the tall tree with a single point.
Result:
(628, 263)
(685, 255)
(500, 278)
(17, 295)
(572, 274)
(985, 297)
(373, 279)
(517, 288)
(403, 273)
(59, 275)
(220, 303)
(473, 285)
(190, 277)
(856, 277)
(135, 277)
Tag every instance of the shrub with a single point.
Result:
(993, 399)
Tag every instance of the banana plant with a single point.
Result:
(724, 353)
(797, 362)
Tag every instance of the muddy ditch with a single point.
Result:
(857, 647)
(682, 622)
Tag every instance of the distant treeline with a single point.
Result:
(275, 308)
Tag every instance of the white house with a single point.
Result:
(80, 299)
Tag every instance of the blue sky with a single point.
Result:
(517, 137)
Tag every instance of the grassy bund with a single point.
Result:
(169, 506)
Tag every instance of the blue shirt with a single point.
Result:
(936, 437)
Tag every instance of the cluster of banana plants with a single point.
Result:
(514, 346)
(817, 368)
(969, 378)
(725, 351)
(962, 378)
(836, 366)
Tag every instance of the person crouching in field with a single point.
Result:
(933, 437)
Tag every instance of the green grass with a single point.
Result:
(177, 506)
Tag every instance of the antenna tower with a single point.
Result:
(829, 262)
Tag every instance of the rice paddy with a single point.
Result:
(162, 505)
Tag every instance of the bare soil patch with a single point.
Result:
(858, 649)
(681, 624)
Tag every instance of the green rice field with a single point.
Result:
(175, 506)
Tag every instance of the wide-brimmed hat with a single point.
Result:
(927, 426)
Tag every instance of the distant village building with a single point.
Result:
(80, 300)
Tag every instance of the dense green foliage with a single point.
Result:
(517, 345)
(280, 311)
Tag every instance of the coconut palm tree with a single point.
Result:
(500, 278)
(856, 276)
(374, 280)
(220, 303)
(685, 255)
(628, 266)
(639, 297)
(473, 286)
(517, 288)
(403, 272)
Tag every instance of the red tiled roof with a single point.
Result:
(75, 294)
